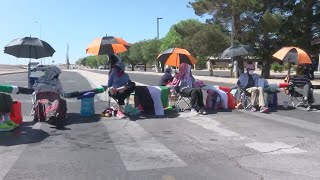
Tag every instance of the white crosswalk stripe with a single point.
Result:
(138, 149)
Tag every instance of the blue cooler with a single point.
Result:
(87, 105)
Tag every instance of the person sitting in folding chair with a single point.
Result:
(249, 83)
(301, 84)
(184, 86)
(119, 83)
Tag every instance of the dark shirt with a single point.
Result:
(165, 79)
(300, 81)
(251, 82)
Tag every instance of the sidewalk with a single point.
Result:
(213, 78)
(4, 72)
(97, 79)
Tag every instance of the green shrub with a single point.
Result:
(275, 67)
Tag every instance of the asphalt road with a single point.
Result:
(221, 145)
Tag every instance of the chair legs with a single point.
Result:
(181, 100)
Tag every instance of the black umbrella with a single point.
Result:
(237, 50)
(29, 47)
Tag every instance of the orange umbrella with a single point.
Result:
(107, 45)
(293, 54)
(176, 56)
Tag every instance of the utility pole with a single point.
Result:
(158, 64)
(232, 43)
(67, 57)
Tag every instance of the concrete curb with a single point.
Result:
(18, 72)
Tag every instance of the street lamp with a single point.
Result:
(40, 29)
(158, 64)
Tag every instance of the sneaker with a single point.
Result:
(11, 123)
(120, 115)
(194, 112)
(6, 127)
(202, 111)
(264, 110)
(253, 109)
(309, 108)
(305, 100)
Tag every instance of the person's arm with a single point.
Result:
(110, 80)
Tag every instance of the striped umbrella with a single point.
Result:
(107, 45)
(176, 56)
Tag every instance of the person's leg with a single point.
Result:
(261, 97)
(193, 95)
(254, 96)
(306, 90)
(200, 98)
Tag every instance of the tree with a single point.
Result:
(125, 56)
(102, 60)
(171, 40)
(149, 51)
(92, 62)
(135, 54)
(203, 40)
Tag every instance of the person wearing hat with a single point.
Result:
(249, 82)
(166, 77)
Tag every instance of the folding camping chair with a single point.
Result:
(245, 98)
(183, 98)
(296, 98)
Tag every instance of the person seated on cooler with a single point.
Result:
(302, 85)
(184, 85)
(166, 77)
(119, 83)
(249, 81)
(49, 82)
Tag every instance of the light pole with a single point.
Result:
(158, 64)
(40, 32)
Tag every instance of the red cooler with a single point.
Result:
(16, 114)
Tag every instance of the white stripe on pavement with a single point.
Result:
(11, 81)
(275, 148)
(213, 125)
(286, 120)
(10, 154)
(138, 149)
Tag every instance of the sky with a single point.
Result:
(79, 22)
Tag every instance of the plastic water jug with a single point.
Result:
(87, 107)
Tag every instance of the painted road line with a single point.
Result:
(275, 148)
(138, 149)
(287, 120)
(23, 81)
(212, 125)
(268, 148)
(10, 154)
(73, 100)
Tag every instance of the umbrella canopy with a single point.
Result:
(107, 45)
(238, 50)
(293, 54)
(176, 56)
(29, 47)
